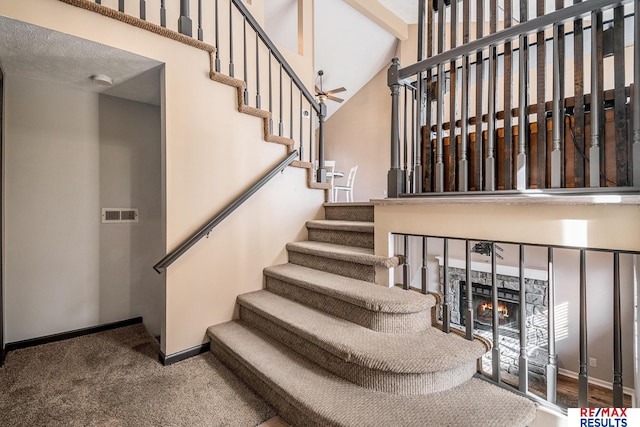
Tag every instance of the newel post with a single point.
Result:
(184, 22)
(321, 173)
(395, 177)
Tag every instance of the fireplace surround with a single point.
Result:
(536, 311)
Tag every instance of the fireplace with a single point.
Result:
(508, 306)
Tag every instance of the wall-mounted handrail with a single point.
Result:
(566, 14)
(225, 212)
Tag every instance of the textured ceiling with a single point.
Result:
(38, 53)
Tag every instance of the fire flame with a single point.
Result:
(502, 309)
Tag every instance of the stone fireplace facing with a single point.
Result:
(509, 311)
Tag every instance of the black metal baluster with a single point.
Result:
(301, 149)
(410, 185)
(271, 98)
(429, 180)
(618, 391)
(291, 108)
(523, 361)
(446, 307)
(231, 66)
(244, 62)
(163, 14)
(469, 292)
(143, 10)
(281, 114)
(185, 26)
(121, 6)
(495, 351)
(311, 145)
(217, 61)
(583, 374)
(98, 1)
(425, 266)
(258, 101)
(200, 31)
(405, 264)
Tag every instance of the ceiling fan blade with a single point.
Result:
(334, 98)
(338, 90)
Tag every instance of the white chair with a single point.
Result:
(348, 188)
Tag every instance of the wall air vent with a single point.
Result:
(119, 215)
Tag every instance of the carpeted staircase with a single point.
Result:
(327, 347)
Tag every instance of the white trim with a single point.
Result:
(596, 381)
(506, 270)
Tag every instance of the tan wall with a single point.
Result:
(358, 134)
(212, 153)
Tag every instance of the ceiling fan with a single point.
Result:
(322, 95)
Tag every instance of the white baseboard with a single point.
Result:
(596, 381)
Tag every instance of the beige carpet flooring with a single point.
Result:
(114, 378)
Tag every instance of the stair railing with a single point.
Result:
(203, 231)
(527, 325)
(229, 26)
(476, 153)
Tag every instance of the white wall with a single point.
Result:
(67, 153)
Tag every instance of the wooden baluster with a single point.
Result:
(522, 169)
(523, 361)
(578, 109)
(618, 391)
(623, 171)
(469, 292)
(495, 351)
(440, 103)
(446, 307)
(596, 99)
(478, 161)
(406, 279)
(453, 104)
(508, 100)
(463, 168)
(552, 364)
(541, 144)
(425, 266)
(583, 375)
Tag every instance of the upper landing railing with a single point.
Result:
(466, 118)
(244, 51)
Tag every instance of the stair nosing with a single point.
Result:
(325, 330)
(353, 254)
(391, 306)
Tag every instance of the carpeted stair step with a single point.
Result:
(349, 261)
(410, 364)
(349, 211)
(348, 233)
(366, 304)
(305, 394)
